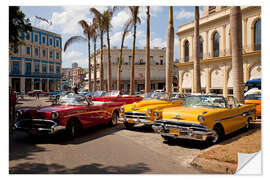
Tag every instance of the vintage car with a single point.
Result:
(254, 99)
(115, 96)
(72, 113)
(40, 92)
(143, 112)
(204, 117)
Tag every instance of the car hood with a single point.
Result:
(149, 103)
(52, 108)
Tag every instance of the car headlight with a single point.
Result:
(149, 111)
(201, 118)
(157, 115)
(122, 109)
(18, 115)
(54, 115)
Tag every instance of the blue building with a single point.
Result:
(36, 64)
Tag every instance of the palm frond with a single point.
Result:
(72, 40)
(84, 24)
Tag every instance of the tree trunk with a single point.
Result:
(95, 66)
(169, 53)
(132, 72)
(196, 63)
(101, 63)
(89, 68)
(237, 61)
(120, 63)
(109, 70)
(147, 66)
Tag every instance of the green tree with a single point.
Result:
(17, 24)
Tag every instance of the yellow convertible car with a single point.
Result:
(143, 112)
(204, 117)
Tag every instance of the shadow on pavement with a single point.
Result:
(94, 168)
(142, 128)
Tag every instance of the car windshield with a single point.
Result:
(206, 101)
(157, 95)
(112, 93)
(72, 99)
(253, 97)
(99, 93)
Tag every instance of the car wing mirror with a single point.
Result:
(88, 99)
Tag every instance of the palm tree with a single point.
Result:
(237, 60)
(134, 11)
(87, 31)
(126, 30)
(100, 22)
(196, 71)
(95, 35)
(147, 66)
(169, 53)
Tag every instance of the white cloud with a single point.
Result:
(156, 42)
(83, 62)
(72, 54)
(184, 14)
(120, 19)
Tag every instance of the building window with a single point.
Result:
(28, 36)
(141, 61)
(44, 54)
(257, 35)
(51, 54)
(27, 68)
(151, 59)
(51, 69)
(201, 47)
(57, 43)
(36, 67)
(216, 44)
(15, 67)
(44, 68)
(57, 55)
(36, 51)
(161, 62)
(129, 59)
(57, 69)
(186, 49)
(28, 50)
(43, 39)
(15, 49)
(50, 42)
(36, 38)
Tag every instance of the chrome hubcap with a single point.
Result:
(215, 137)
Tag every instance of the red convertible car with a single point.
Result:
(72, 113)
(115, 96)
(41, 93)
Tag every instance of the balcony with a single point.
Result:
(35, 74)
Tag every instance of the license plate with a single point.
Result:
(131, 121)
(175, 131)
(32, 131)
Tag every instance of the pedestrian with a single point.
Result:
(37, 95)
(76, 90)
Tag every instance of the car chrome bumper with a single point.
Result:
(136, 121)
(184, 132)
(38, 125)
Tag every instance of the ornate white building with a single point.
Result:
(215, 49)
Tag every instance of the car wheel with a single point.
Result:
(128, 125)
(72, 129)
(247, 125)
(218, 135)
(114, 120)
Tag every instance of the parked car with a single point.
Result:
(204, 118)
(71, 114)
(54, 94)
(115, 96)
(99, 93)
(41, 93)
(254, 99)
(143, 112)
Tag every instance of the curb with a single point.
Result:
(214, 166)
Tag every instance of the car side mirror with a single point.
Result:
(88, 99)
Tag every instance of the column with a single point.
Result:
(180, 83)
(32, 83)
(48, 86)
(40, 84)
(208, 80)
(246, 72)
(22, 85)
(192, 79)
(245, 33)
(224, 39)
(225, 86)
(180, 59)
(206, 44)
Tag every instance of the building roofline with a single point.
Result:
(50, 32)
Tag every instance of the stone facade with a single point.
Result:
(36, 64)
(215, 49)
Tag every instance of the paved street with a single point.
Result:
(102, 150)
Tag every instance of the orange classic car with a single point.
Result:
(254, 99)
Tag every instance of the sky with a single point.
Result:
(65, 22)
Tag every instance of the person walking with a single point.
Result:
(37, 95)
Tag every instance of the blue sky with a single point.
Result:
(65, 22)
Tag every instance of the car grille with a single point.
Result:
(183, 126)
(135, 115)
(34, 124)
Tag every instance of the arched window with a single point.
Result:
(216, 44)
(186, 46)
(201, 47)
(257, 35)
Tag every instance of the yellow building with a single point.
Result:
(215, 49)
